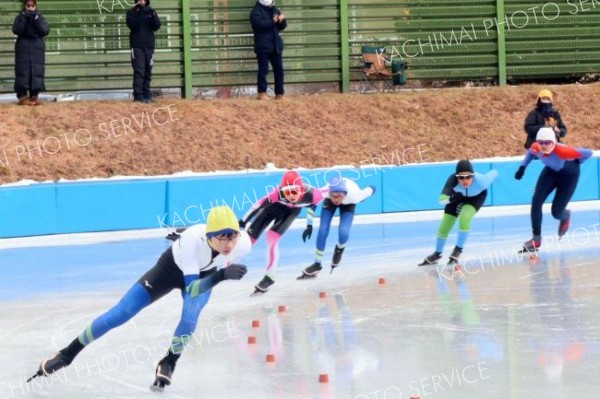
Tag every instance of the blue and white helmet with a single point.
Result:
(337, 184)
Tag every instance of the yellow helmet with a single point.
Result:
(221, 220)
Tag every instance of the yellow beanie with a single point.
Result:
(221, 220)
(545, 93)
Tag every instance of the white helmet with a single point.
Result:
(546, 134)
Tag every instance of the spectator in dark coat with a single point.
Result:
(142, 22)
(267, 21)
(544, 115)
(30, 53)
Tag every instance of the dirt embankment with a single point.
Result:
(87, 139)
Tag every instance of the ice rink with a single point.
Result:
(505, 327)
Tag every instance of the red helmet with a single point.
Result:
(292, 181)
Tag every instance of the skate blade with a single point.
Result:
(526, 251)
(258, 293)
(33, 376)
(157, 388)
(306, 277)
(427, 264)
(532, 255)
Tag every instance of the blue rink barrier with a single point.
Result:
(140, 204)
(190, 199)
(107, 206)
(418, 187)
(28, 210)
(508, 191)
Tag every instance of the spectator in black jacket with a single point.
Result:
(544, 115)
(267, 21)
(30, 53)
(142, 22)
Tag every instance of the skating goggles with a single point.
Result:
(464, 177)
(228, 237)
(291, 191)
(545, 142)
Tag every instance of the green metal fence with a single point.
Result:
(441, 39)
(560, 38)
(208, 43)
(222, 45)
(88, 45)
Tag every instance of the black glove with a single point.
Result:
(242, 224)
(173, 236)
(235, 272)
(519, 174)
(456, 196)
(307, 233)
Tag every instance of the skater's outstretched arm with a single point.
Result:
(569, 153)
(318, 194)
(486, 180)
(310, 216)
(195, 286)
(265, 201)
(355, 194)
(448, 191)
(529, 156)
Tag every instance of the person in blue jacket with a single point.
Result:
(464, 193)
(561, 173)
(267, 21)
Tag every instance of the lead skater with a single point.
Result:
(202, 257)
(561, 173)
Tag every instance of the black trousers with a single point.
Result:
(23, 93)
(263, 69)
(165, 276)
(564, 182)
(453, 208)
(142, 61)
(282, 217)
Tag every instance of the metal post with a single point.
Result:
(345, 46)
(186, 20)
(501, 43)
